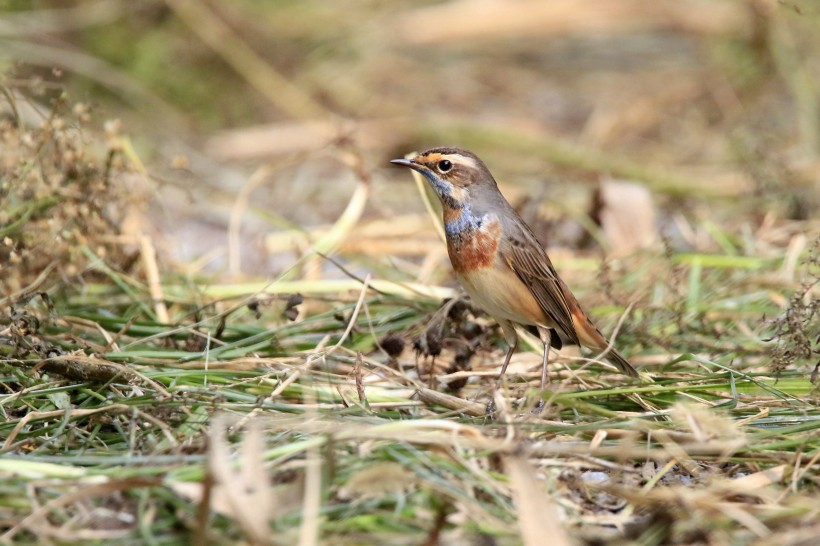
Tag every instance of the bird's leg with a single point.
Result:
(512, 341)
(546, 337)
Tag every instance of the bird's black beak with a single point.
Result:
(405, 163)
(412, 163)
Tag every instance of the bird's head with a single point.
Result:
(453, 173)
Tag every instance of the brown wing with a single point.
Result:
(528, 259)
(530, 262)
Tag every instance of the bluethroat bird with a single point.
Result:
(498, 260)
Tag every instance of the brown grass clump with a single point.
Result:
(796, 335)
(63, 196)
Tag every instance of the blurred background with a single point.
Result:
(254, 131)
(193, 192)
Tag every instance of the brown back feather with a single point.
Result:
(527, 258)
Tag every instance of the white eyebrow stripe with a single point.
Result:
(462, 159)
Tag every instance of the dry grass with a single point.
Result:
(150, 398)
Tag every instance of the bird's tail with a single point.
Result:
(590, 336)
(621, 363)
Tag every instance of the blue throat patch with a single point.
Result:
(467, 221)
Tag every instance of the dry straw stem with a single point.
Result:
(290, 137)
(399, 237)
(537, 513)
(350, 215)
(326, 241)
(460, 405)
(152, 277)
(477, 20)
(244, 486)
(312, 500)
(336, 287)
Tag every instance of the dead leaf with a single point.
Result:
(626, 213)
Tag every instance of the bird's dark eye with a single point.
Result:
(445, 165)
